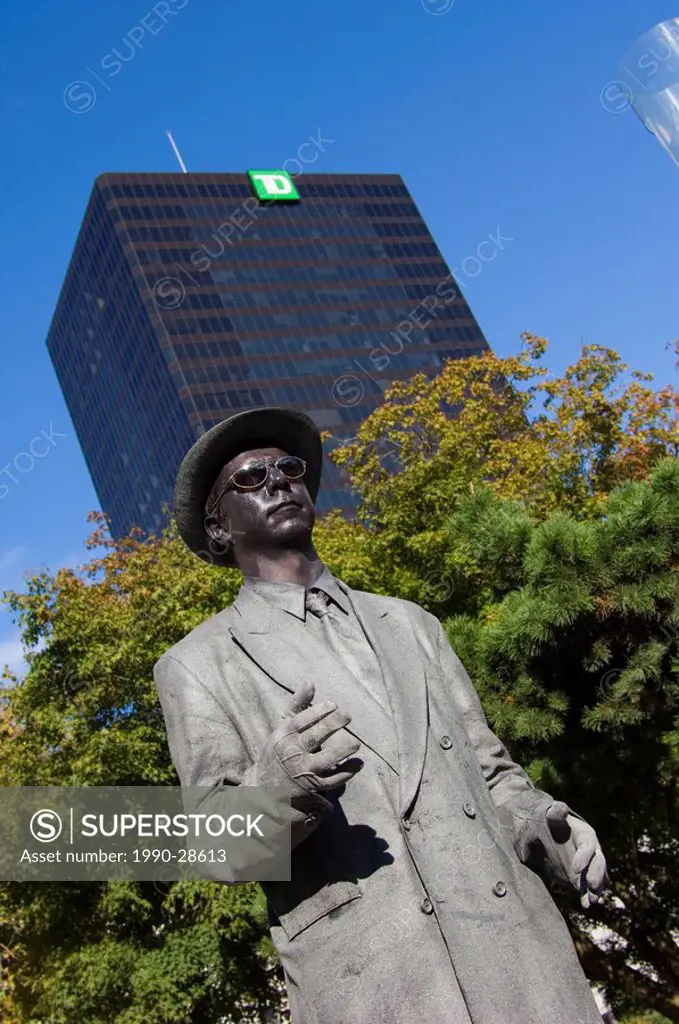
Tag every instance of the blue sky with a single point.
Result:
(491, 110)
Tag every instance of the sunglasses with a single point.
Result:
(255, 474)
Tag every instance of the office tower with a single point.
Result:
(188, 298)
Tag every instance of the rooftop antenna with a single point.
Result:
(176, 152)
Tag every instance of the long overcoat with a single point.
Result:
(418, 897)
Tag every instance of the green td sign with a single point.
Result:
(272, 185)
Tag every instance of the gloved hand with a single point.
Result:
(302, 751)
(587, 865)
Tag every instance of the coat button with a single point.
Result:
(426, 906)
(406, 824)
(446, 742)
(469, 810)
(500, 889)
(311, 819)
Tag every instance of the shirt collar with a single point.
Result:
(291, 597)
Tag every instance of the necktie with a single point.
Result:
(320, 605)
(317, 603)
(345, 636)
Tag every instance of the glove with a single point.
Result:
(303, 751)
(583, 857)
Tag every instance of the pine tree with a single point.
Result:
(576, 657)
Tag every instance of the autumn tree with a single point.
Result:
(87, 713)
(553, 442)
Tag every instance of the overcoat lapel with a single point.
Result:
(278, 642)
(391, 634)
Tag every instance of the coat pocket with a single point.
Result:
(296, 911)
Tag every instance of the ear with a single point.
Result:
(219, 531)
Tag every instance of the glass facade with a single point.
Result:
(187, 299)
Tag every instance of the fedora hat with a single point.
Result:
(268, 427)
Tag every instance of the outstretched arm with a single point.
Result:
(547, 834)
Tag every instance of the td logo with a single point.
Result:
(273, 185)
